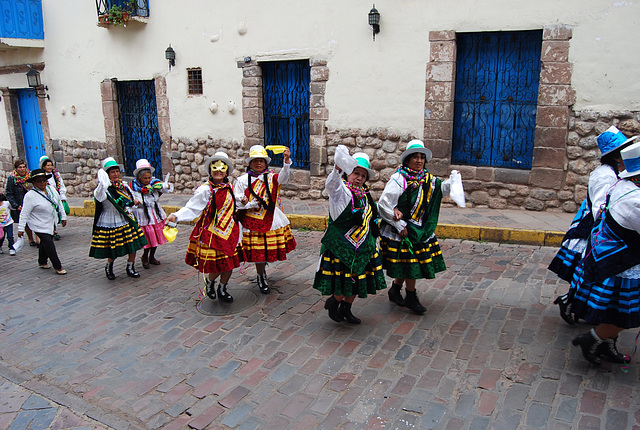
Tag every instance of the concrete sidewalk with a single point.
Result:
(492, 225)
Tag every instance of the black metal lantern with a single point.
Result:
(170, 55)
(33, 80)
(374, 21)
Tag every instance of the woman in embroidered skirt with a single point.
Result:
(149, 214)
(56, 182)
(42, 209)
(350, 263)
(607, 280)
(575, 240)
(266, 234)
(409, 207)
(214, 241)
(17, 187)
(115, 230)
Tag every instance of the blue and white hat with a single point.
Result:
(611, 140)
(631, 157)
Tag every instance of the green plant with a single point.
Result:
(119, 15)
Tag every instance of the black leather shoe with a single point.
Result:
(590, 347)
(412, 302)
(131, 271)
(345, 312)
(210, 291)
(565, 309)
(108, 270)
(332, 306)
(608, 350)
(262, 284)
(395, 295)
(223, 294)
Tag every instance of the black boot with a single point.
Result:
(108, 269)
(223, 294)
(210, 291)
(395, 294)
(332, 306)
(412, 302)
(131, 270)
(345, 312)
(608, 350)
(262, 284)
(589, 343)
(565, 308)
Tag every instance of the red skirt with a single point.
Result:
(273, 245)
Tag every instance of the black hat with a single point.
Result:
(38, 173)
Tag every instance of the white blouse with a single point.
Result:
(393, 190)
(39, 213)
(279, 218)
(600, 182)
(150, 201)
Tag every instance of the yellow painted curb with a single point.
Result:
(451, 231)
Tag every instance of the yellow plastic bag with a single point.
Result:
(170, 233)
(276, 149)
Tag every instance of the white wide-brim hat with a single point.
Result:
(362, 161)
(222, 156)
(631, 157)
(109, 163)
(416, 146)
(257, 151)
(143, 164)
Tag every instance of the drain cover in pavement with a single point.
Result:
(242, 299)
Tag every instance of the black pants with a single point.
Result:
(47, 251)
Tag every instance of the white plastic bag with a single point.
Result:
(343, 160)
(457, 192)
(18, 244)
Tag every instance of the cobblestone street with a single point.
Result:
(491, 352)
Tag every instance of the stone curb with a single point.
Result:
(449, 231)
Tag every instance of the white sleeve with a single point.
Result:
(63, 214)
(339, 194)
(25, 213)
(389, 200)
(283, 175)
(600, 182)
(196, 204)
(239, 188)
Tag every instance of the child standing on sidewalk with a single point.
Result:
(350, 264)
(213, 244)
(266, 234)
(6, 222)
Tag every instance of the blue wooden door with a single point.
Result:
(139, 124)
(31, 125)
(286, 95)
(496, 96)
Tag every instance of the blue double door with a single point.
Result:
(31, 125)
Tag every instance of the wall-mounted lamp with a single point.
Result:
(374, 21)
(170, 55)
(33, 79)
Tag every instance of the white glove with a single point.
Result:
(457, 192)
(167, 185)
(343, 160)
(103, 179)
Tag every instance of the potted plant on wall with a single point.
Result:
(117, 15)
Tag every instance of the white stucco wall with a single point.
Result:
(371, 84)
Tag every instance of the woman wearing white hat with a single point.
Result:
(147, 189)
(214, 241)
(56, 182)
(116, 232)
(263, 222)
(409, 207)
(350, 263)
(607, 281)
(610, 143)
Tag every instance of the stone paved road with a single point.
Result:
(491, 353)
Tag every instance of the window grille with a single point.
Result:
(195, 81)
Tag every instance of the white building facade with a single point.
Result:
(511, 94)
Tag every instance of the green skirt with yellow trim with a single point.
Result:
(333, 277)
(113, 242)
(421, 262)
